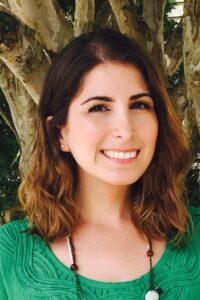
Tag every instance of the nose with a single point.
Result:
(123, 126)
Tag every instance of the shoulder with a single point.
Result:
(194, 213)
(193, 228)
(10, 233)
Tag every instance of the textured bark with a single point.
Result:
(22, 109)
(153, 12)
(8, 123)
(179, 99)
(22, 53)
(84, 16)
(5, 2)
(187, 114)
(191, 51)
(127, 19)
(46, 19)
(105, 17)
(174, 51)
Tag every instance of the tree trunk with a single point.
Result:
(191, 55)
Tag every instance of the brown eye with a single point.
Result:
(140, 105)
(98, 108)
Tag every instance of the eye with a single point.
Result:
(141, 105)
(98, 108)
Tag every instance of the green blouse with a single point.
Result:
(29, 270)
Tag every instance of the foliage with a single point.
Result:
(176, 78)
(68, 7)
(9, 174)
(169, 23)
(193, 181)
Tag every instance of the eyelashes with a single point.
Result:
(139, 105)
(98, 108)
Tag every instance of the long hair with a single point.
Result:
(158, 202)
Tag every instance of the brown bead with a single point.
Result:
(74, 267)
(149, 253)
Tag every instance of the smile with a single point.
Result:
(119, 154)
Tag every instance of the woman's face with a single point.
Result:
(112, 127)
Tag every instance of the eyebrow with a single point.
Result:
(108, 99)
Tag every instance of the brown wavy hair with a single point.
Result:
(158, 201)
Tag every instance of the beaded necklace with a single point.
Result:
(152, 294)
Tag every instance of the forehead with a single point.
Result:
(114, 78)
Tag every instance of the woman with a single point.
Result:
(105, 197)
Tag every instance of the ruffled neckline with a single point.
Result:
(92, 282)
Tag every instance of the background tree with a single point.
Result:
(32, 32)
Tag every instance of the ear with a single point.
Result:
(63, 139)
(48, 120)
(62, 136)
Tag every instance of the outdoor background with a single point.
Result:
(32, 32)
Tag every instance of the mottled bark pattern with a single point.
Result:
(84, 16)
(127, 19)
(153, 12)
(47, 19)
(23, 110)
(174, 50)
(22, 53)
(191, 51)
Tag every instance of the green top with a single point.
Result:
(29, 270)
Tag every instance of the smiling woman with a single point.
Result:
(107, 216)
(120, 122)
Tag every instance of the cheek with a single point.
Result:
(148, 130)
(86, 133)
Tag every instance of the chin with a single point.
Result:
(122, 181)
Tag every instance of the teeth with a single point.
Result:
(120, 155)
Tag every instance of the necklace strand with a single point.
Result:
(152, 294)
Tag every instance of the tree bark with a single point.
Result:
(153, 13)
(127, 19)
(174, 51)
(191, 55)
(84, 16)
(22, 53)
(23, 110)
(105, 17)
(46, 18)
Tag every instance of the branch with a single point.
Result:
(7, 122)
(186, 112)
(153, 13)
(84, 16)
(5, 2)
(47, 19)
(179, 100)
(103, 15)
(191, 54)
(22, 54)
(22, 107)
(174, 50)
(127, 19)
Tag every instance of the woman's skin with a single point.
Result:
(112, 114)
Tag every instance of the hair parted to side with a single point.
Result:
(158, 202)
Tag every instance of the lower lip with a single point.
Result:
(121, 161)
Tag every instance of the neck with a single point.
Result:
(103, 203)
